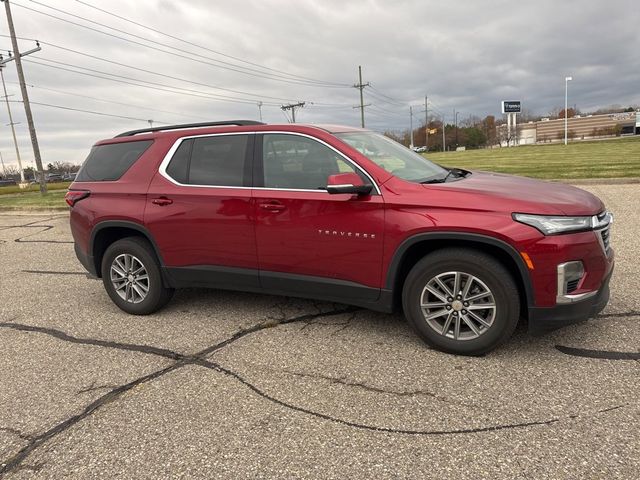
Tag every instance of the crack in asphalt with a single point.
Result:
(59, 334)
(598, 354)
(17, 433)
(44, 228)
(54, 272)
(348, 383)
(93, 387)
(400, 393)
(632, 313)
(15, 462)
(343, 325)
(348, 423)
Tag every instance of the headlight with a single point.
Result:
(551, 225)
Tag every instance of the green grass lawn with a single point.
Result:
(52, 200)
(33, 188)
(596, 159)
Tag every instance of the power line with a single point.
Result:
(164, 75)
(387, 111)
(62, 107)
(398, 102)
(230, 66)
(160, 32)
(156, 86)
(107, 101)
(383, 100)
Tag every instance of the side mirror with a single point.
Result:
(347, 183)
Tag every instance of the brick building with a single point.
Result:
(581, 127)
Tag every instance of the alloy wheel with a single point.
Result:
(458, 305)
(129, 278)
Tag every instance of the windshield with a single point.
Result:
(393, 157)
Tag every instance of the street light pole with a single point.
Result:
(411, 126)
(566, 91)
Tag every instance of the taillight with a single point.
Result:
(74, 196)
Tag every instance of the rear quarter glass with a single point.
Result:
(109, 162)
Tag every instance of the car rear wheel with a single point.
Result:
(461, 301)
(131, 276)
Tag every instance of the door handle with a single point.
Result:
(274, 206)
(162, 201)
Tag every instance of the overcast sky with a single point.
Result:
(467, 55)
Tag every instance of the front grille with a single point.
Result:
(572, 285)
(603, 230)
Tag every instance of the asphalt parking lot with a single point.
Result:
(235, 385)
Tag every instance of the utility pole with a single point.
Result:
(260, 110)
(25, 99)
(360, 86)
(411, 125)
(150, 122)
(4, 169)
(426, 124)
(444, 147)
(292, 107)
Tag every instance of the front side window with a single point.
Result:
(292, 161)
(216, 161)
(393, 157)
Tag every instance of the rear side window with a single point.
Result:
(217, 160)
(110, 162)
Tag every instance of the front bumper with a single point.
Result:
(546, 319)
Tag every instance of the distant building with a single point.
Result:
(580, 127)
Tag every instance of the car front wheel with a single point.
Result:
(461, 301)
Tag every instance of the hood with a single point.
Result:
(526, 195)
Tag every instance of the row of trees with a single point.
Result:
(472, 132)
(476, 132)
(11, 172)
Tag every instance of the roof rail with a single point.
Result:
(239, 123)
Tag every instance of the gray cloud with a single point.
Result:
(465, 55)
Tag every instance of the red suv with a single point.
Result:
(338, 214)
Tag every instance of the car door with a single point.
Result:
(310, 241)
(199, 211)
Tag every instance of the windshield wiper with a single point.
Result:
(452, 171)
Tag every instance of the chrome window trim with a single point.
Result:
(162, 169)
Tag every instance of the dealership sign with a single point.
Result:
(510, 106)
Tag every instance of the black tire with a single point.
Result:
(158, 295)
(490, 272)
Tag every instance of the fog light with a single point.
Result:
(569, 276)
